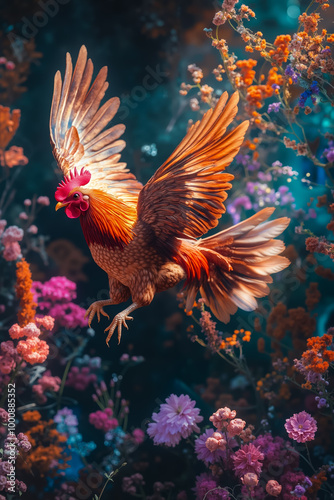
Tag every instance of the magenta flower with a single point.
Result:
(248, 459)
(177, 419)
(301, 427)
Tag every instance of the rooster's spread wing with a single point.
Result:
(77, 132)
(185, 197)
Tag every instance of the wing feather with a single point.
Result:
(185, 197)
(77, 129)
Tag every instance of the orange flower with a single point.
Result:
(317, 481)
(47, 455)
(281, 53)
(310, 22)
(31, 416)
(318, 356)
(27, 308)
(247, 73)
(9, 123)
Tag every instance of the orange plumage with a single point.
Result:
(146, 237)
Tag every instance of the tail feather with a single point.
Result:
(241, 260)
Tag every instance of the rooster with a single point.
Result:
(148, 238)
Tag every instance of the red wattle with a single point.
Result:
(72, 211)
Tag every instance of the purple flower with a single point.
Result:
(329, 153)
(234, 208)
(301, 427)
(177, 419)
(298, 491)
(264, 177)
(275, 106)
(291, 72)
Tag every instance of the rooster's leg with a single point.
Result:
(119, 321)
(97, 308)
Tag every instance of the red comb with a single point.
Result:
(73, 180)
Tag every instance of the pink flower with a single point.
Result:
(228, 5)
(11, 235)
(8, 348)
(80, 378)
(15, 332)
(7, 364)
(12, 252)
(250, 479)
(47, 321)
(103, 420)
(32, 229)
(43, 200)
(301, 427)
(3, 416)
(10, 65)
(46, 383)
(273, 488)
(219, 18)
(247, 459)
(31, 330)
(177, 419)
(33, 350)
(220, 416)
(203, 452)
(27, 202)
(23, 442)
(23, 216)
(215, 442)
(235, 427)
(138, 435)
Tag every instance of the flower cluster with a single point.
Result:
(9, 240)
(46, 383)
(314, 365)
(55, 296)
(32, 350)
(47, 453)
(67, 423)
(80, 378)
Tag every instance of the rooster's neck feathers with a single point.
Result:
(108, 221)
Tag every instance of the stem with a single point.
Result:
(61, 390)
(109, 478)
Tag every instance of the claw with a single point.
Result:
(95, 308)
(117, 322)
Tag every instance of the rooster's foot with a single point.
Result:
(97, 308)
(117, 322)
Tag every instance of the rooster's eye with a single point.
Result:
(76, 195)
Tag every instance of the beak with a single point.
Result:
(60, 205)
